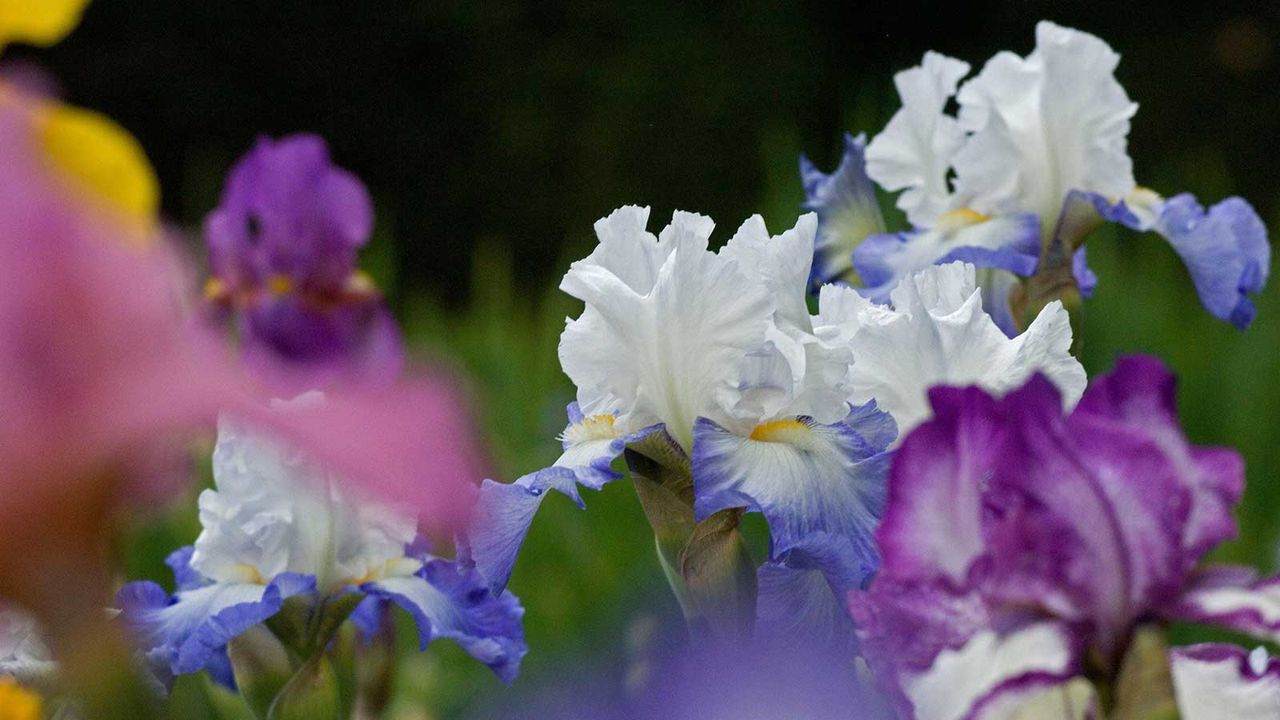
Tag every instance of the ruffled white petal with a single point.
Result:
(720, 335)
(780, 263)
(938, 334)
(914, 151)
(1044, 125)
(272, 511)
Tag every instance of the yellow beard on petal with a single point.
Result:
(38, 22)
(101, 160)
(962, 218)
(781, 431)
(18, 703)
(595, 427)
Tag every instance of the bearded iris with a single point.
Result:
(767, 407)
(282, 248)
(280, 536)
(1023, 547)
(1033, 161)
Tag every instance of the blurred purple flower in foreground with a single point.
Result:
(1021, 547)
(714, 681)
(282, 246)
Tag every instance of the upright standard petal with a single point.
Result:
(933, 527)
(1139, 397)
(914, 151)
(848, 212)
(938, 334)
(274, 511)
(1225, 682)
(282, 248)
(449, 600)
(672, 353)
(1044, 125)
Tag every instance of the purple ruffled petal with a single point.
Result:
(188, 632)
(1139, 397)
(1095, 519)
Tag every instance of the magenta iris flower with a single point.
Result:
(1022, 546)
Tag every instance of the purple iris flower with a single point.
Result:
(282, 248)
(1021, 546)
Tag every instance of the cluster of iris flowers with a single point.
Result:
(961, 523)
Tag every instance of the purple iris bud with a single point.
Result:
(282, 248)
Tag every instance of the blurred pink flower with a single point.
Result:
(103, 376)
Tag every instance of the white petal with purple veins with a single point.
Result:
(992, 671)
(1225, 682)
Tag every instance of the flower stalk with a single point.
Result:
(706, 563)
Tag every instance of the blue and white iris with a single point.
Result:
(277, 527)
(781, 411)
(1033, 136)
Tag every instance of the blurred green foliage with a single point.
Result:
(492, 134)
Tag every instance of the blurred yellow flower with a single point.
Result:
(17, 702)
(38, 22)
(96, 156)
(102, 159)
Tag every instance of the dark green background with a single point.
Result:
(492, 134)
